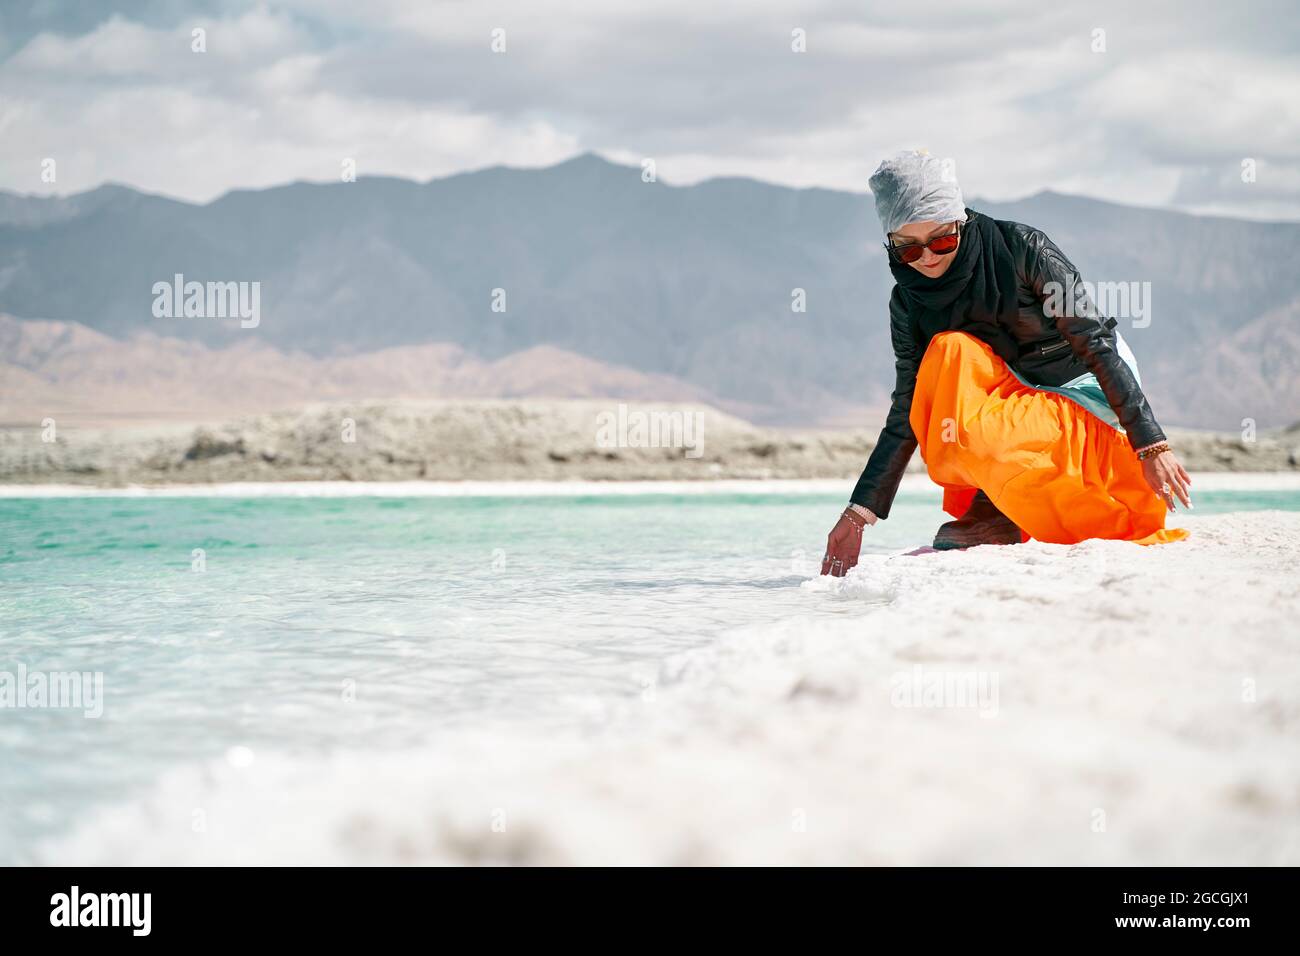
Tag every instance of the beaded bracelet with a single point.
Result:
(855, 519)
(1150, 451)
(865, 514)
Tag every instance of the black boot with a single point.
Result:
(982, 524)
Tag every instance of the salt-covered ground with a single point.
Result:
(1096, 704)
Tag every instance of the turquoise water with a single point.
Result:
(320, 625)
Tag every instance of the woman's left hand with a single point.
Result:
(1168, 478)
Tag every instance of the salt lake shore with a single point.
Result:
(1110, 705)
(499, 440)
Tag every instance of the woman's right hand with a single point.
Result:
(844, 544)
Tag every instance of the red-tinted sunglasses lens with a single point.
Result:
(940, 246)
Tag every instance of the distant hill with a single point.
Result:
(81, 377)
(692, 285)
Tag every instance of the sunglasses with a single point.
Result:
(939, 245)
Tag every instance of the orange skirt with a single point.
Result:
(1056, 470)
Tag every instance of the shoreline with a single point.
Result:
(508, 444)
(912, 483)
(791, 740)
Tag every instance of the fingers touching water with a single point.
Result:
(843, 545)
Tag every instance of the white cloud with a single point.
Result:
(1012, 90)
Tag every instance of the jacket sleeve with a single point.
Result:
(1056, 282)
(879, 482)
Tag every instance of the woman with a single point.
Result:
(1025, 403)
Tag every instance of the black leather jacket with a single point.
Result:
(1053, 351)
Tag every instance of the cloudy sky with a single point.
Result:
(1018, 93)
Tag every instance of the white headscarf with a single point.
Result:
(914, 186)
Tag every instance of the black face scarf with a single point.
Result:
(978, 294)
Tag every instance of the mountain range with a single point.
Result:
(580, 279)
